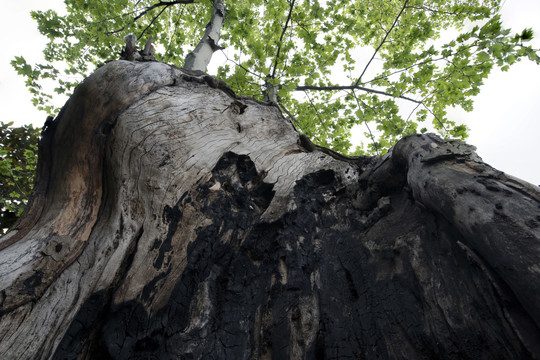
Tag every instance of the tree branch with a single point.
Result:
(367, 125)
(318, 116)
(241, 66)
(200, 57)
(151, 22)
(162, 3)
(436, 118)
(453, 13)
(281, 38)
(146, 10)
(292, 119)
(382, 42)
(353, 87)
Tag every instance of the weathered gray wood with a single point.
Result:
(174, 219)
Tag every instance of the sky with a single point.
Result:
(505, 123)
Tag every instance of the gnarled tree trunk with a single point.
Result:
(174, 220)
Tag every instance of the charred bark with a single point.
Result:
(174, 219)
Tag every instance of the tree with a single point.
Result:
(174, 218)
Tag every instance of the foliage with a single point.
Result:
(386, 53)
(18, 154)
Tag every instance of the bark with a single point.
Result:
(200, 57)
(175, 220)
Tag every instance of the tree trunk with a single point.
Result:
(173, 219)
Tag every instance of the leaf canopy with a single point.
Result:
(18, 159)
(391, 66)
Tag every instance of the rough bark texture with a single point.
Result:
(175, 220)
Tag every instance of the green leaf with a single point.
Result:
(496, 49)
(527, 34)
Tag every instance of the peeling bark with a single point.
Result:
(174, 219)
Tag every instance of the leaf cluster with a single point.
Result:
(18, 160)
(337, 63)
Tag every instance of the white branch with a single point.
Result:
(199, 58)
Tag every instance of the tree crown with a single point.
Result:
(396, 74)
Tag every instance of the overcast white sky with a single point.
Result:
(505, 125)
